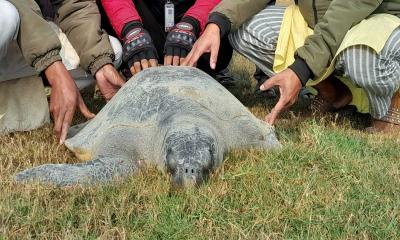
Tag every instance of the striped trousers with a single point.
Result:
(377, 74)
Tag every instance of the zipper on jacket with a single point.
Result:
(314, 6)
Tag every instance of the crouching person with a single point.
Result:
(372, 65)
(151, 38)
(23, 104)
(41, 47)
(80, 21)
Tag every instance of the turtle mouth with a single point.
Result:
(189, 177)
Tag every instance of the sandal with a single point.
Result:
(320, 106)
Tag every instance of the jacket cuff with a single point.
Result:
(99, 62)
(222, 21)
(194, 22)
(44, 61)
(302, 70)
(129, 26)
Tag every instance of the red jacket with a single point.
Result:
(121, 12)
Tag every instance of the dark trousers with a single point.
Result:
(153, 21)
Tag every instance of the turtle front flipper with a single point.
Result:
(249, 132)
(72, 131)
(100, 170)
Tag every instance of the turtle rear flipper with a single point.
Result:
(100, 170)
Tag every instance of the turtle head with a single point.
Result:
(191, 154)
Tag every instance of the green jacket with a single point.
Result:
(78, 19)
(330, 19)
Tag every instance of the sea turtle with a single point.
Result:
(177, 118)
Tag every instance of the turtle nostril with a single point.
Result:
(190, 170)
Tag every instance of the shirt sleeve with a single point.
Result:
(320, 48)
(200, 11)
(120, 12)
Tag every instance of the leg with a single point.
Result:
(257, 39)
(9, 18)
(33, 30)
(23, 105)
(221, 73)
(80, 21)
(377, 74)
(117, 49)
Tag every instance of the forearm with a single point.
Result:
(38, 42)
(80, 21)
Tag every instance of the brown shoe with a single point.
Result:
(391, 122)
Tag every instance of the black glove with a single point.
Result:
(181, 38)
(138, 45)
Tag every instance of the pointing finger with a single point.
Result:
(273, 115)
(214, 55)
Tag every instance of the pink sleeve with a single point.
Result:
(201, 9)
(120, 12)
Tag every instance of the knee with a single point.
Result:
(9, 20)
(383, 79)
(117, 48)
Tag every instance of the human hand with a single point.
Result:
(109, 81)
(179, 42)
(208, 42)
(138, 50)
(64, 99)
(289, 86)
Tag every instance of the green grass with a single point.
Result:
(328, 182)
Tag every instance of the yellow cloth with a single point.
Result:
(294, 31)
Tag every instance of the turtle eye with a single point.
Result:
(212, 154)
(212, 148)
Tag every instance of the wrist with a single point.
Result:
(194, 22)
(214, 28)
(54, 72)
(131, 25)
(223, 23)
(302, 70)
